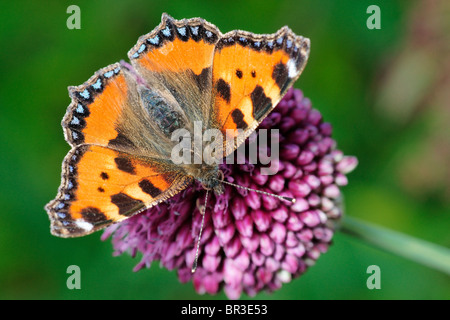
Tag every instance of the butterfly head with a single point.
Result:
(211, 179)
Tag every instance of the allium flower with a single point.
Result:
(250, 242)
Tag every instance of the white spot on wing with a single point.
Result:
(292, 68)
(154, 40)
(166, 31)
(85, 94)
(75, 121)
(108, 74)
(84, 225)
(141, 48)
(194, 31)
(182, 31)
(97, 85)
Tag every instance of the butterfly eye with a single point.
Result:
(163, 114)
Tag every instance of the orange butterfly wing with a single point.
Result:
(251, 73)
(118, 165)
(176, 59)
(101, 186)
(96, 106)
(114, 169)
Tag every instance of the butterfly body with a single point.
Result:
(185, 79)
(209, 178)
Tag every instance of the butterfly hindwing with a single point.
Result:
(101, 186)
(251, 73)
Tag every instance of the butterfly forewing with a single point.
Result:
(177, 58)
(251, 73)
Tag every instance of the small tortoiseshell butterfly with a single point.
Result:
(119, 123)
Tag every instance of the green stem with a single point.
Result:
(420, 251)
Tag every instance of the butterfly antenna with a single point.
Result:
(292, 200)
(194, 266)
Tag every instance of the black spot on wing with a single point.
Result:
(261, 103)
(104, 176)
(280, 75)
(203, 79)
(125, 165)
(126, 204)
(238, 118)
(121, 140)
(148, 187)
(224, 90)
(93, 215)
(239, 73)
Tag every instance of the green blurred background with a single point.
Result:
(386, 93)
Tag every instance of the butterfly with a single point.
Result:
(119, 122)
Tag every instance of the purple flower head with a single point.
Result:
(250, 242)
